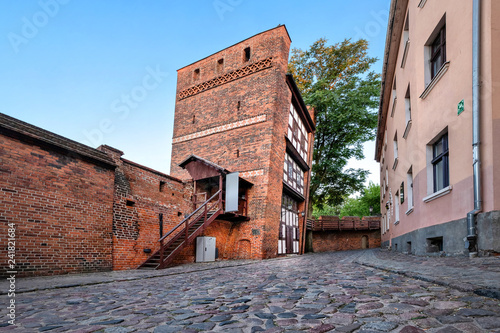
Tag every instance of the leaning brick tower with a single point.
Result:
(233, 108)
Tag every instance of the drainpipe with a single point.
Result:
(471, 242)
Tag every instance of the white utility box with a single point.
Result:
(205, 249)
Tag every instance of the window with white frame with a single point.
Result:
(407, 112)
(395, 146)
(435, 56)
(406, 39)
(394, 97)
(440, 165)
(396, 208)
(438, 168)
(438, 52)
(409, 181)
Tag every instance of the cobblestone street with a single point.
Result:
(328, 292)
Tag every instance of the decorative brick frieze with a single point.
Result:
(237, 124)
(252, 173)
(234, 75)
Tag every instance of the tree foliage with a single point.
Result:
(358, 206)
(337, 82)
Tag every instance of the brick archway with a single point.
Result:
(364, 242)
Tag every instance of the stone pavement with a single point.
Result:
(352, 291)
(480, 275)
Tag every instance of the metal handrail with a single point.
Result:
(189, 216)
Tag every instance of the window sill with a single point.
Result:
(409, 211)
(407, 129)
(438, 194)
(396, 223)
(435, 80)
(395, 164)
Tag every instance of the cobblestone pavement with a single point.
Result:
(329, 292)
(480, 275)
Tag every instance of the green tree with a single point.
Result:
(360, 206)
(337, 82)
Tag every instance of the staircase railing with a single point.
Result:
(189, 222)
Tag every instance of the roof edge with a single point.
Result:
(391, 49)
(137, 165)
(260, 33)
(39, 134)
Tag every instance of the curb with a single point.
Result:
(466, 287)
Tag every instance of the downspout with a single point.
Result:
(471, 242)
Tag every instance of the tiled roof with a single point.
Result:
(9, 125)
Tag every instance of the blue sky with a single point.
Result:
(70, 66)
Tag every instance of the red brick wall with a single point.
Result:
(324, 241)
(136, 227)
(259, 146)
(62, 207)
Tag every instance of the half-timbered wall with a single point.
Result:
(293, 175)
(297, 133)
(289, 227)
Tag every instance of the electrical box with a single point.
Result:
(205, 249)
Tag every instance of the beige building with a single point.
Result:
(438, 139)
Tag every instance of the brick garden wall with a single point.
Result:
(329, 239)
(141, 195)
(62, 207)
(324, 241)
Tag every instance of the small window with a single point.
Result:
(438, 52)
(194, 119)
(238, 106)
(434, 244)
(220, 66)
(130, 203)
(246, 54)
(440, 167)
(160, 222)
(162, 185)
(196, 74)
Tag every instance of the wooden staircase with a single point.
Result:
(185, 233)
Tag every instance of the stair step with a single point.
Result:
(153, 262)
(148, 264)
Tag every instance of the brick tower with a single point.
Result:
(239, 110)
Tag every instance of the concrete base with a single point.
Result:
(448, 238)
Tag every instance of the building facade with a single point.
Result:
(239, 110)
(70, 208)
(438, 139)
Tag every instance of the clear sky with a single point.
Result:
(104, 72)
